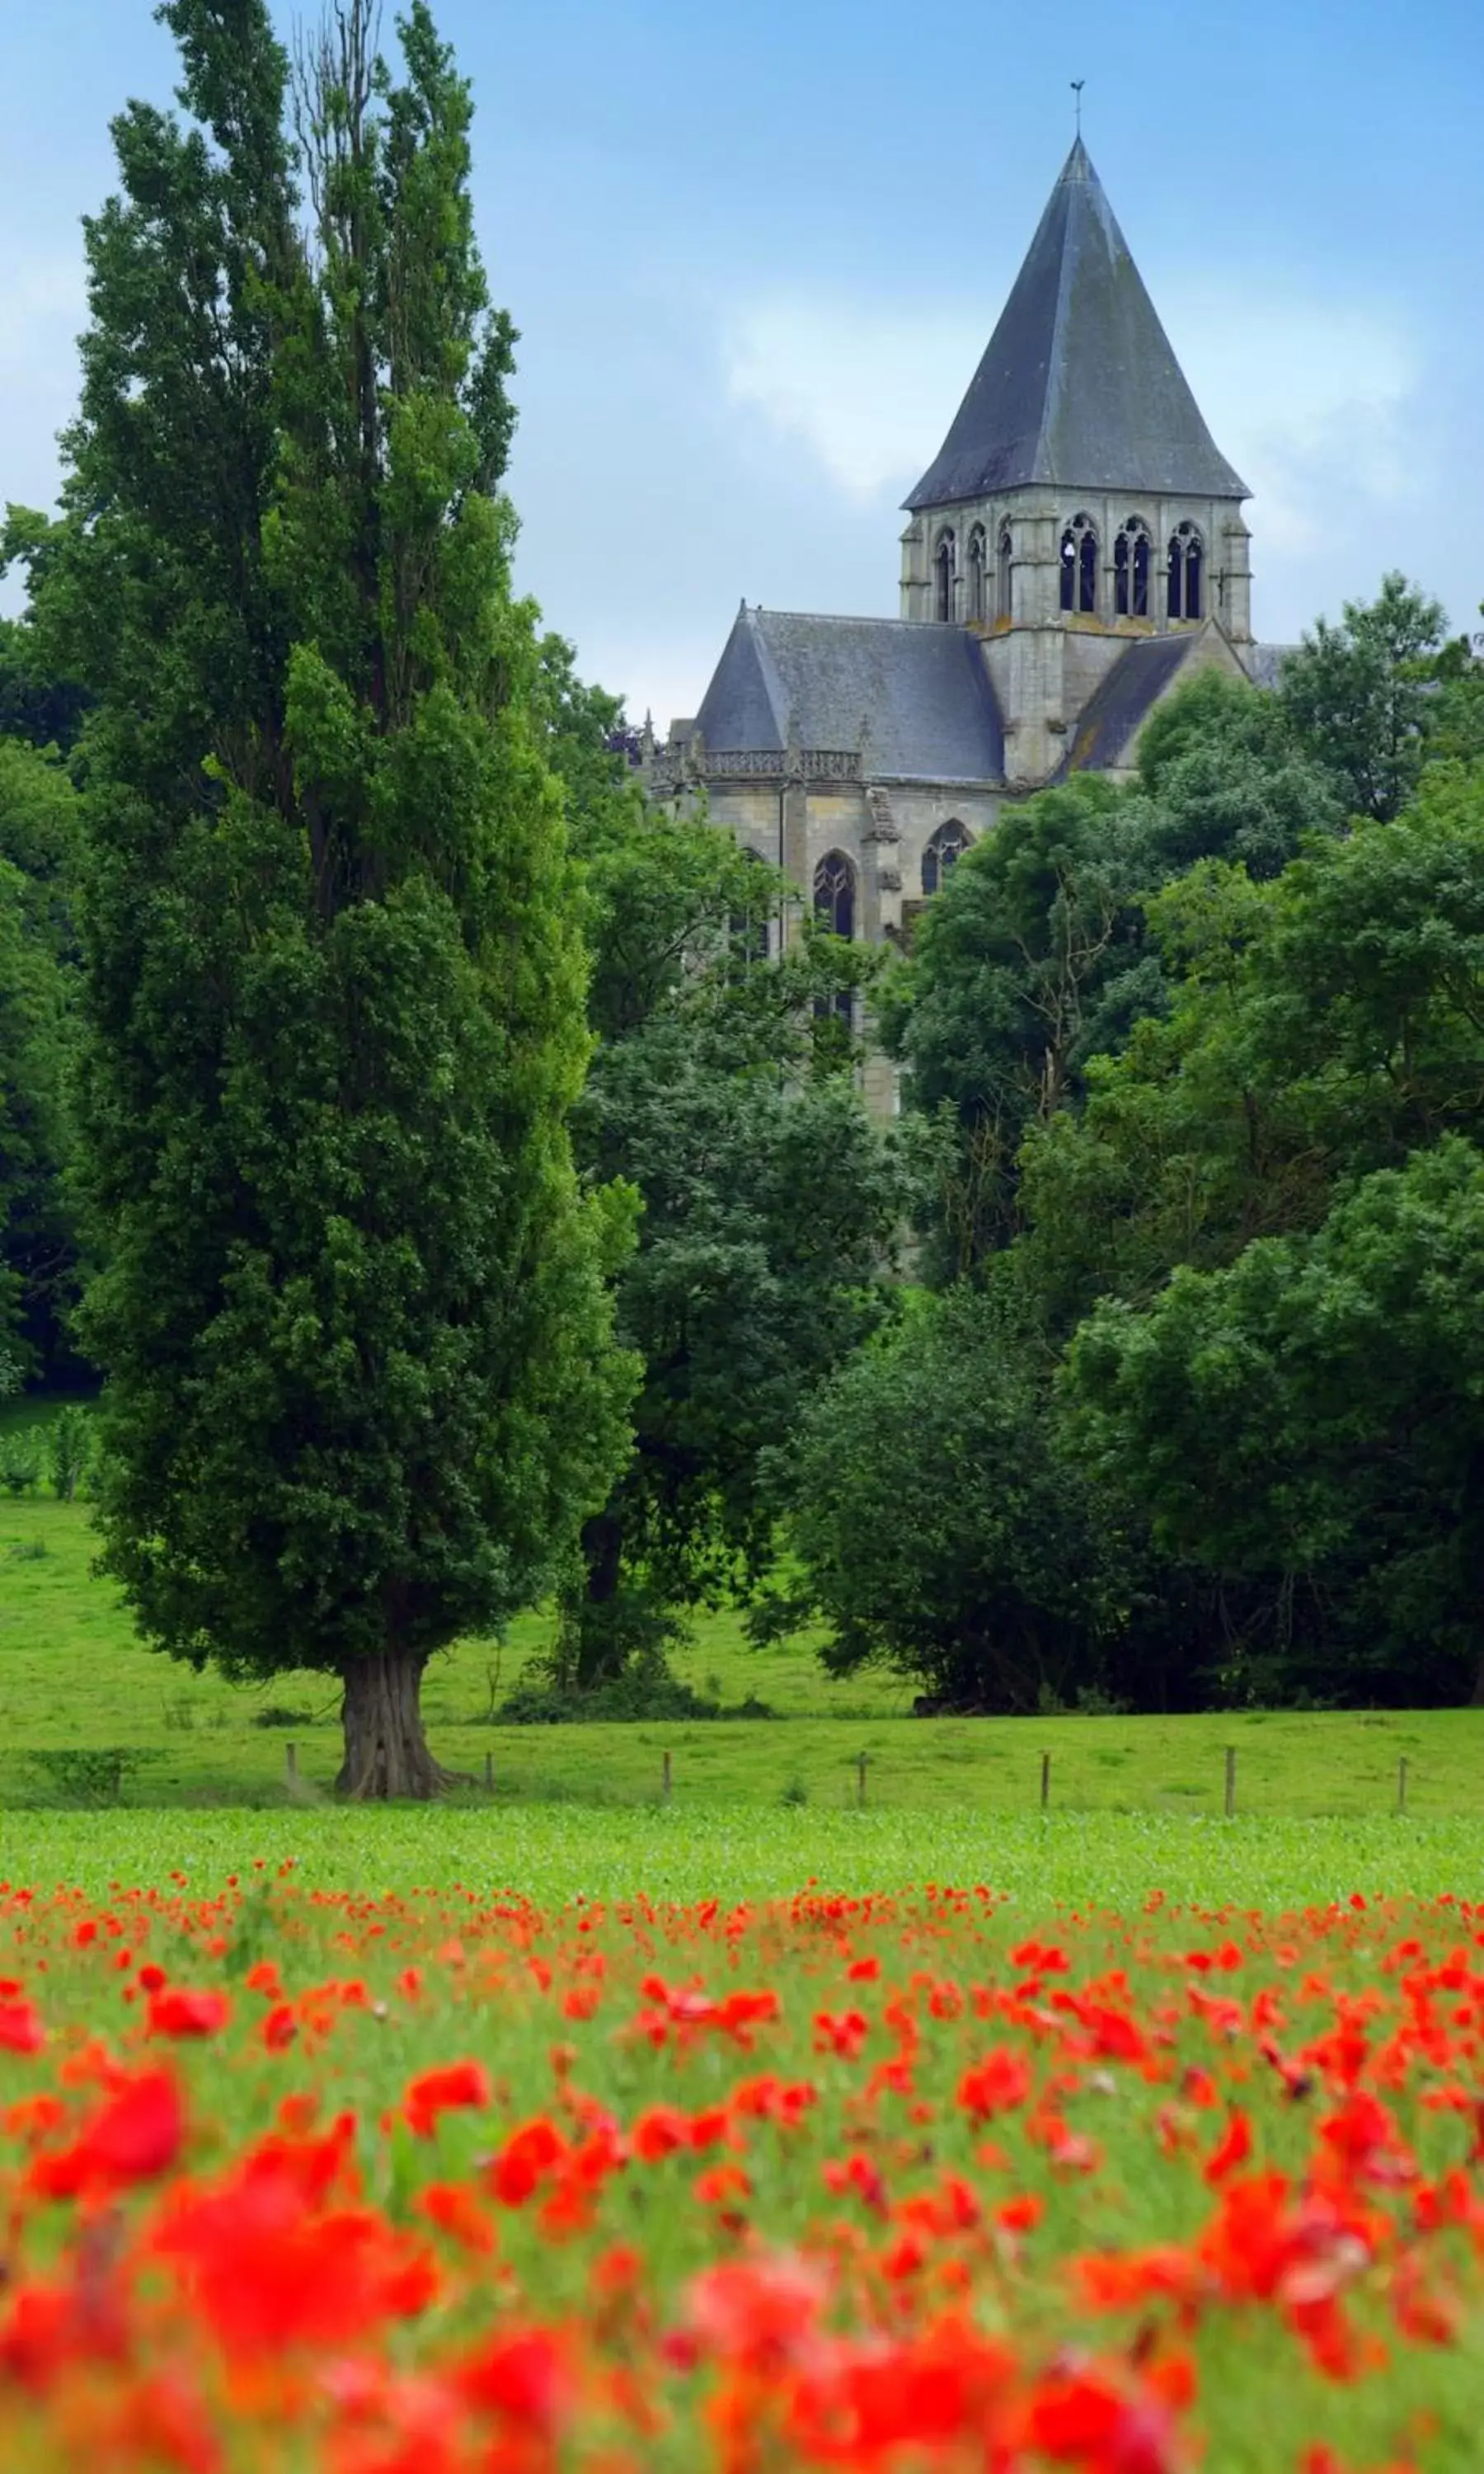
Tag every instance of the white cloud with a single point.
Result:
(1311, 399)
(868, 389)
(1315, 403)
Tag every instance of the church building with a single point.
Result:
(1074, 549)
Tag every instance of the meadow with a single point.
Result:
(748, 2128)
(298, 2176)
(74, 1679)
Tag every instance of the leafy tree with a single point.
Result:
(1225, 778)
(582, 737)
(361, 1388)
(1013, 971)
(1036, 958)
(1318, 1028)
(1358, 694)
(38, 833)
(770, 1206)
(938, 1525)
(1455, 713)
(1313, 1413)
(41, 700)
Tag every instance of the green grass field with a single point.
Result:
(74, 1678)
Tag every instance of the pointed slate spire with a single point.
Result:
(1078, 385)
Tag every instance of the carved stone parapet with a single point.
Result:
(883, 826)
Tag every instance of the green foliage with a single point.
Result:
(938, 1524)
(1226, 778)
(771, 1205)
(94, 1775)
(69, 1443)
(1316, 1407)
(38, 846)
(1013, 983)
(643, 1688)
(1358, 694)
(35, 705)
(1035, 958)
(361, 1384)
(20, 1465)
(1318, 1028)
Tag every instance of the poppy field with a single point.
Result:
(378, 2180)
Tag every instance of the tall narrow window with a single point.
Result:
(1079, 565)
(1131, 568)
(977, 563)
(944, 563)
(1004, 560)
(834, 907)
(834, 894)
(1186, 558)
(944, 850)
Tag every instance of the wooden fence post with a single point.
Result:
(1402, 1785)
(1045, 1780)
(1230, 1780)
(489, 1772)
(664, 1782)
(290, 1763)
(860, 1778)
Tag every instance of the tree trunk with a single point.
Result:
(599, 1656)
(386, 1750)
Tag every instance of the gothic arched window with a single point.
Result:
(1079, 565)
(834, 894)
(978, 561)
(944, 850)
(1131, 568)
(946, 570)
(1186, 555)
(834, 907)
(1004, 560)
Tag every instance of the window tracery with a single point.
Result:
(1131, 556)
(834, 909)
(1079, 565)
(1187, 555)
(1004, 563)
(943, 852)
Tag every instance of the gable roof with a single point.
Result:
(1078, 385)
(1123, 699)
(921, 693)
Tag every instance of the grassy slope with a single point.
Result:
(73, 1676)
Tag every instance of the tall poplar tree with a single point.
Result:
(361, 1383)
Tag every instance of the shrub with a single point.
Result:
(70, 1451)
(91, 1776)
(20, 1466)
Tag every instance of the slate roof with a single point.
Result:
(1122, 699)
(1079, 386)
(1265, 663)
(922, 690)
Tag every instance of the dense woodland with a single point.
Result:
(405, 1124)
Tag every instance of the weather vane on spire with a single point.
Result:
(1077, 84)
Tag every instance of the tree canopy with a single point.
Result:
(361, 1382)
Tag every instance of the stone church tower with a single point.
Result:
(1076, 547)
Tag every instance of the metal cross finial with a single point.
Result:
(1077, 84)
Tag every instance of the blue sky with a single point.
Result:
(754, 250)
